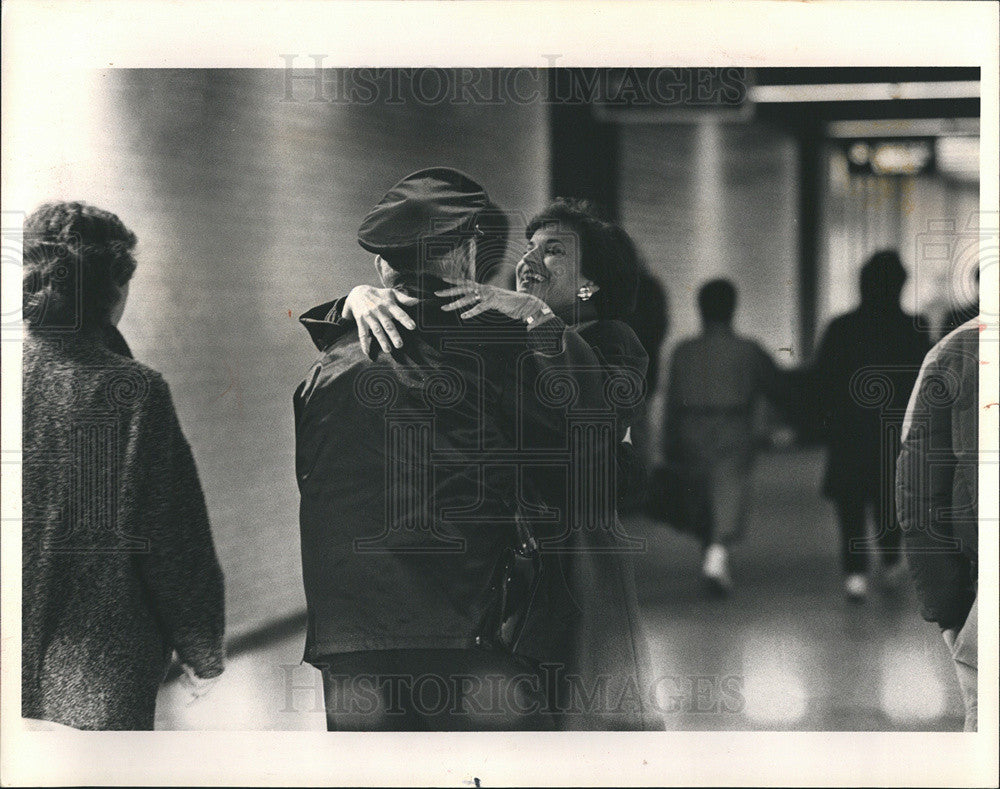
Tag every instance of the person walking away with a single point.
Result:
(716, 380)
(865, 368)
(118, 566)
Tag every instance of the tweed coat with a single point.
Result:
(118, 564)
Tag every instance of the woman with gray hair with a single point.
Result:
(118, 565)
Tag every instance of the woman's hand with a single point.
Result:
(376, 311)
(481, 297)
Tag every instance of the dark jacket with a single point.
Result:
(409, 470)
(865, 368)
(937, 480)
(118, 564)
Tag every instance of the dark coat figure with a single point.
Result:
(462, 484)
(482, 393)
(865, 368)
(118, 564)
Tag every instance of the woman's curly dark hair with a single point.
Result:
(607, 254)
(76, 257)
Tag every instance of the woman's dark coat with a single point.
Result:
(585, 617)
(865, 369)
(118, 566)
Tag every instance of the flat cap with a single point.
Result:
(431, 203)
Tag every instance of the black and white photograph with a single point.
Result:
(596, 399)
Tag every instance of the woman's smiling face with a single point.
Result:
(550, 268)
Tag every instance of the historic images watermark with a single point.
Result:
(949, 258)
(306, 78)
(552, 691)
(58, 303)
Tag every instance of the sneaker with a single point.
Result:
(715, 570)
(856, 586)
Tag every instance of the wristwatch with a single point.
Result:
(540, 315)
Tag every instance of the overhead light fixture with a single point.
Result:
(915, 127)
(890, 157)
(864, 91)
(900, 158)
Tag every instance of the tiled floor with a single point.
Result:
(786, 651)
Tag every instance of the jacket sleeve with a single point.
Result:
(625, 362)
(178, 567)
(326, 323)
(601, 372)
(607, 369)
(924, 475)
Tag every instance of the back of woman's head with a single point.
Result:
(76, 259)
(607, 253)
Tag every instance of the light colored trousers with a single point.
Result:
(716, 449)
(965, 652)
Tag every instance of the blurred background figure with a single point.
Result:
(118, 564)
(962, 313)
(716, 380)
(865, 368)
(937, 495)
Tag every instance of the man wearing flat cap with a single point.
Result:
(406, 465)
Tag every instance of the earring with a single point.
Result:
(585, 293)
